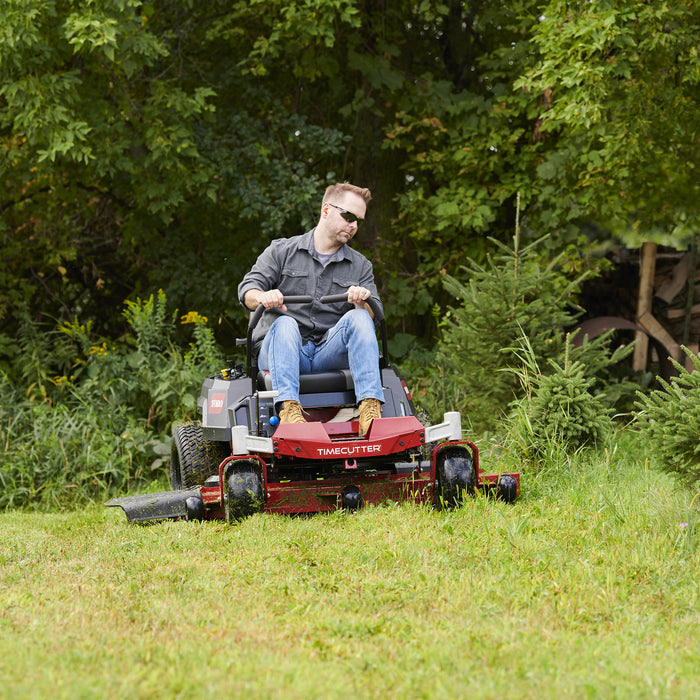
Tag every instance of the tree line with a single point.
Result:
(161, 145)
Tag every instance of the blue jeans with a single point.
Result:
(351, 343)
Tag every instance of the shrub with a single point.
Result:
(92, 416)
(515, 293)
(145, 369)
(669, 419)
(557, 407)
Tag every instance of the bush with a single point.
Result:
(515, 293)
(669, 419)
(558, 408)
(101, 424)
(145, 369)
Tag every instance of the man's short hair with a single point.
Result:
(341, 188)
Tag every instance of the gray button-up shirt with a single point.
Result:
(291, 265)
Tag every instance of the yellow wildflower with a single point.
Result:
(193, 317)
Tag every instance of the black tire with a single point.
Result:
(192, 458)
(244, 493)
(507, 489)
(456, 476)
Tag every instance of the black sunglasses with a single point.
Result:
(347, 215)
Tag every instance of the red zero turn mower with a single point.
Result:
(238, 460)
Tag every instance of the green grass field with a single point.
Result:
(588, 586)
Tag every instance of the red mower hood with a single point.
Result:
(386, 436)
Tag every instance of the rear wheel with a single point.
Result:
(456, 476)
(192, 458)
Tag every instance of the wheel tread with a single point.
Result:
(192, 458)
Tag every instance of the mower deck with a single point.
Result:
(321, 467)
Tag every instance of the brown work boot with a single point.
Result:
(369, 410)
(292, 412)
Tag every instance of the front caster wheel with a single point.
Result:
(243, 492)
(455, 475)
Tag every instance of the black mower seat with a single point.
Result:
(320, 383)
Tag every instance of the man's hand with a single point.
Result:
(274, 298)
(357, 296)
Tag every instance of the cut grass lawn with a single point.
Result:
(586, 587)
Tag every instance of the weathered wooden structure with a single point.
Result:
(669, 279)
(649, 296)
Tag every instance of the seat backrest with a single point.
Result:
(318, 383)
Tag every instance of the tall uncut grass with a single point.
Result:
(587, 586)
(82, 416)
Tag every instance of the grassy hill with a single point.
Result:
(588, 586)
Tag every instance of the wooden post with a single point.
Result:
(644, 301)
(691, 290)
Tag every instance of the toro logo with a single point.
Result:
(216, 403)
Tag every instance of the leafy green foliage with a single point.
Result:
(146, 371)
(162, 146)
(103, 426)
(622, 82)
(516, 293)
(99, 149)
(558, 408)
(669, 419)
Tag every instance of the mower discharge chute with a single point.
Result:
(238, 460)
